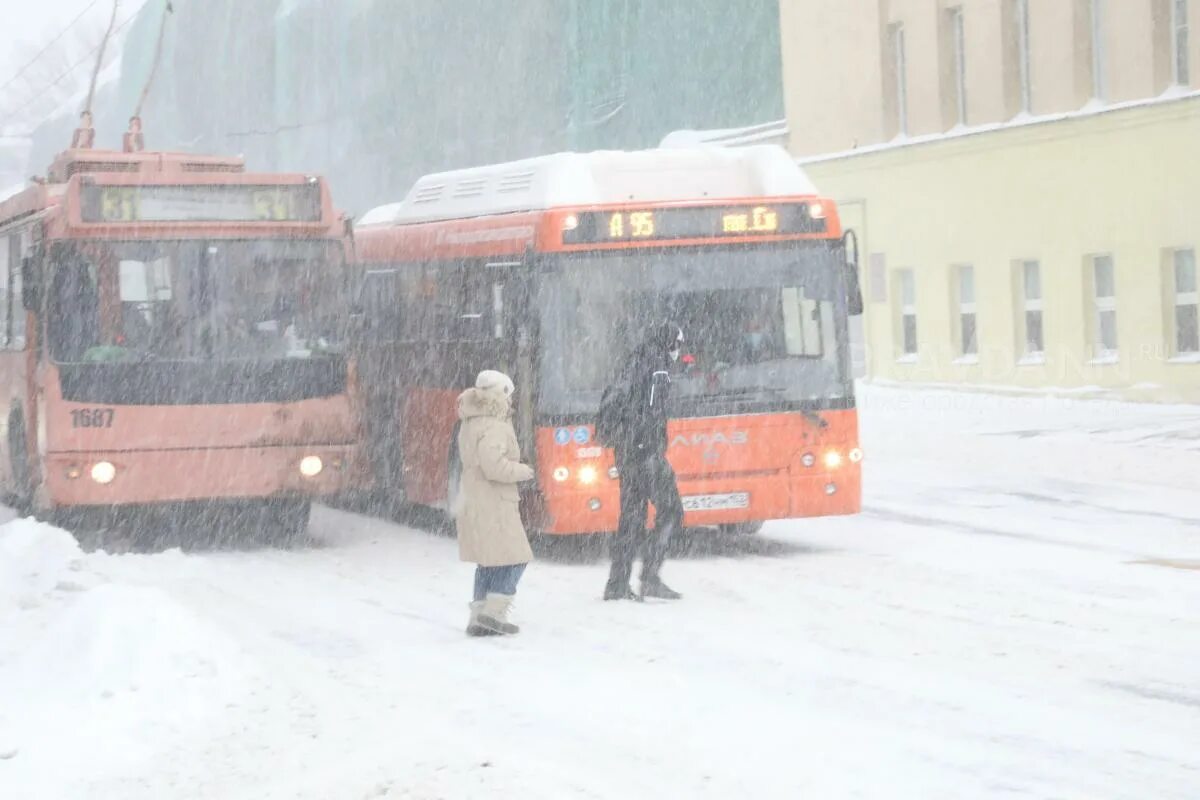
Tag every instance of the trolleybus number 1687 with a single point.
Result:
(92, 417)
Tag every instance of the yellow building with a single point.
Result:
(1024, 176)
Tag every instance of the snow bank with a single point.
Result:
(35, 559)
(94, 672)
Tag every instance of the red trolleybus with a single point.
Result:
(167, 335)
(552, 269)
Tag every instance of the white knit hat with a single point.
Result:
(492, 380)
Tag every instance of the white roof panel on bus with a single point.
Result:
(599, 178)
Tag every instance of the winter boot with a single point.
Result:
(494, 615)
(474, 628)
(619, 591)
(654, 587)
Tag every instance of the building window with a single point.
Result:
(968, 339)
(906, 292)
(1029, 320)
(1180, 68)
(900, 68)
(1186, 303)
(1099, 88)
(958, 41)
(1023, 74)
(1104, 302)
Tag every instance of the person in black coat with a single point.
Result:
(645, 474)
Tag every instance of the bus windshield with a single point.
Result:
(193, 300)
(765, 327)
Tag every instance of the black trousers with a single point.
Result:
(645, 479)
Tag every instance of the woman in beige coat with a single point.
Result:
(488, 517)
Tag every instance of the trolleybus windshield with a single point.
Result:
(194, 300)
(765, 326)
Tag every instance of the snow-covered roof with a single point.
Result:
(1094, 108)
(598, 178)
(767, 133)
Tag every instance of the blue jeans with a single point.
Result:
(497, 580)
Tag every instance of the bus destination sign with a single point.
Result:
(201, 203)
(708, 222)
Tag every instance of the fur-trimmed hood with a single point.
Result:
(483, 403)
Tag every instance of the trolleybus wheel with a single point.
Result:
(286, 521)
(22, 493)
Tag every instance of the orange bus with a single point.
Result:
(168, 335)
(552, 268)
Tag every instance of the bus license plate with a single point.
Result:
(716, 502)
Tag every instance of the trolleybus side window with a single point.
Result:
(19, 249)
(7, 266)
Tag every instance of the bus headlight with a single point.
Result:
(103, 472)
(613, 473)
(561, 474)
(808, 459)
(587, 475)
(856, 455)
(833, 459)
(311, 466)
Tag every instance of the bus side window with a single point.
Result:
(381, 305)
(478, 302)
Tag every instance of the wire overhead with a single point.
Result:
(49, 44)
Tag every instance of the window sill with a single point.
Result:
(966, 361)
(1185, 358)
(1105, 360)
(907, 358)
(1032, 360)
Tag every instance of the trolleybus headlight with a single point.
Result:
(311, 466)
(570, 222)
(561, 474)
(587, 475)
(816, 211)
(856, 455)
(808, 459)
(103, 472)
(833, 459)
(594, 504)
(613, 473)
(74, 472)
(831, 488)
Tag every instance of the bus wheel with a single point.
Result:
(22, 494)
(741, 528)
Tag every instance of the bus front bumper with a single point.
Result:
(163, 476)
(783, 494)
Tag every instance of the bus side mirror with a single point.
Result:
(31, 284)
(854, 298)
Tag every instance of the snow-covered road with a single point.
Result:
(1015, 614)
